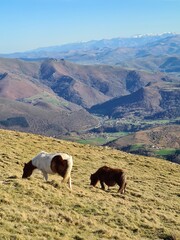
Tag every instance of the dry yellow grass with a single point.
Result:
(34, 209)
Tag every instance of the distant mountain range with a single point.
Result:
(60, 90)
(108, 51)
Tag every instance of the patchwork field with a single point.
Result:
(34, 209)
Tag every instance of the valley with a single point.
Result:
(96, 101)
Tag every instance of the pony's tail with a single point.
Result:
(123, 183)
(69, 168)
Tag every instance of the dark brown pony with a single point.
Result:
(50, 163)
(109, 176)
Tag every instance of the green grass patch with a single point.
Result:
(118, 134)
(45, 97)
(136, 122)
(101, 138)
(93, 141)
(136, 147)
(165, 152)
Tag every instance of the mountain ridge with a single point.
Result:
(112, 43)
(58, 85)
(147, 102)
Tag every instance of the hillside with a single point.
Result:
(159, 141)
(87, 85)
(34, 209)
(43, 118)
(154, 101)
(52, 96)
(29, 105)
(83, 85)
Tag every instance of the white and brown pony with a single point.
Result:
(50, 163)
(109, 176)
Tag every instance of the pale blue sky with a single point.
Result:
(30, 24)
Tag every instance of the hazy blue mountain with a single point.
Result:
(94, 45)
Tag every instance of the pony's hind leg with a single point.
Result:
(122, 188)
(68, 180)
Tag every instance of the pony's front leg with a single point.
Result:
(45, 175)
(122, 189)
(69, 183)
(102, 185)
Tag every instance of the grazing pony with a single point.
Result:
(109, 176)
(50, 163)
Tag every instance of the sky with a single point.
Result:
(31, 24)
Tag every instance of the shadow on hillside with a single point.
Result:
(53, 184)
(170, 237)
(9, 179)
(112, 191)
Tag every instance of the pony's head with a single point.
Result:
(94, 179)
(28, 169)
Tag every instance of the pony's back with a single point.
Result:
(43, 161)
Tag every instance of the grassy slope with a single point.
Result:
(34, 209)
